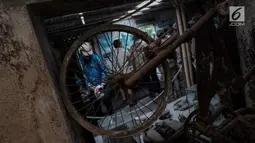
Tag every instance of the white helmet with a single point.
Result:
(86, 49)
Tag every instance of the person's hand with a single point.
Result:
(98, 89)
(103, 85)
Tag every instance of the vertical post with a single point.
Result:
(187, 45)
(183, 48)
(193, 52)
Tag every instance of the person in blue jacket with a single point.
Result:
(94, 74)
(93, 68)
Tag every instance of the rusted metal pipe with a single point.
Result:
(161, 56)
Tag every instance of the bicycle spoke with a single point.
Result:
(97, 67)
(142, 64)
(110, 45)
(82, 100)
(138, 116)
(75, 78)
(133, 122)
(83, 82)
(100, 45)
(75, 70)
(122, 116)
(118, 52)
(75, 92)
(116, 117)
(110, 120)
(80, 72)
(91, 106)
(131, 54)
(132, 61)
(92, 102)
(125, 53)
(137, 106)
(146, 107)
(110, 108)
(128, 61)
(104, 113)
(99, 106)
(117, 58)
(79, 61)
(86, 106)
(102, 63)
(142, 112)
(154, 100)
(151, 97)
(112, 51)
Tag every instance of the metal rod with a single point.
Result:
(161, 56)
(183, 47)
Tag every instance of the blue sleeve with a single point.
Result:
(102, 68)
(87, 82)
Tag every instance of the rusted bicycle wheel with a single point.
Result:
(120, 111)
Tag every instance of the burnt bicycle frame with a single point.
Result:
(206, 86)
(194, 31)
(168, 47)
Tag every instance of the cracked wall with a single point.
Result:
(30, 112)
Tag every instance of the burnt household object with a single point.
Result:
(182, 105)
(163, 130)
(182, 118)
(220, 79)
(165, 115)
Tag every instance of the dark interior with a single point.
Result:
(58, 24)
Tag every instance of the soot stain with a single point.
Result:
(10, 51)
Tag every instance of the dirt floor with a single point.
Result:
(29, 109)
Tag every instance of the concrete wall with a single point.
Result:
(29, 109)
(246, 44)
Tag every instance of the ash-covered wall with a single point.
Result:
(29, 108)
(246, 45)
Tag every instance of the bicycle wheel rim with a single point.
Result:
(72, 110)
